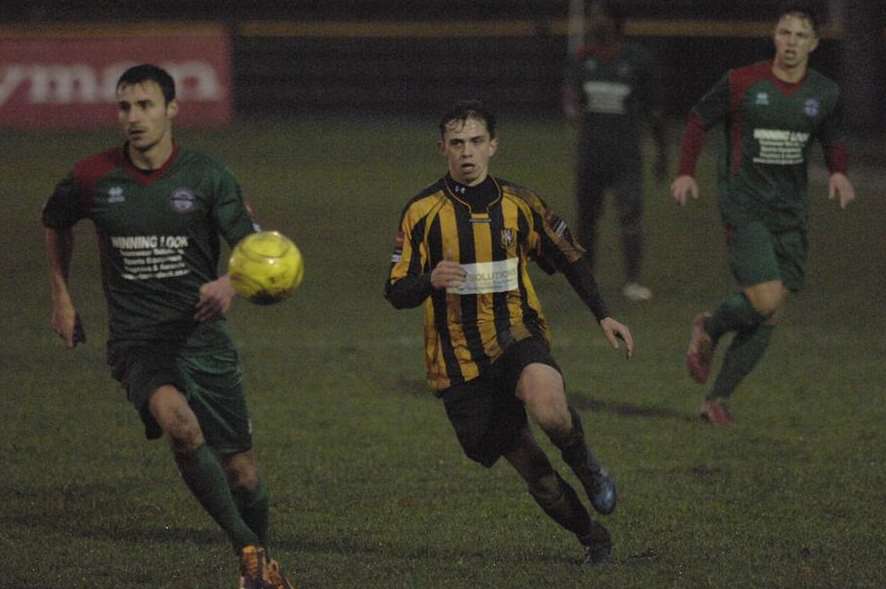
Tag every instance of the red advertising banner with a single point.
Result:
(65, 76)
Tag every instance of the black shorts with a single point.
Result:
(485, 412)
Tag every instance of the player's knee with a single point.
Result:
(183, 429)
(242, 473)
(768, 298)
(244, 479)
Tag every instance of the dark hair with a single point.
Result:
(147, 72)
(801, 7)
(469, 109)
(614, 10)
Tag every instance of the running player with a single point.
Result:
(462, 250)
(159, 210)
(772, 112)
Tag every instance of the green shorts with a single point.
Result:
(211, 382)
(758, 255)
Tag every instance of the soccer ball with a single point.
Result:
(265, 267)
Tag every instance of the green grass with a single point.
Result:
(369, 486)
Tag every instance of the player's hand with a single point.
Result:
(682, 187)
(65, 322)
(215, 299)
(447, 274)
(614, 331)
(840, 187)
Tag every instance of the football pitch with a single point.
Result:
(369, 487)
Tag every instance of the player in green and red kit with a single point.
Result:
(160, 211)
(772, 112)
(611, 91)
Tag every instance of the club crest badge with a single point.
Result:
(182, 200)
(115, 194)
(507, 238)
(811, 107)
(762, 99)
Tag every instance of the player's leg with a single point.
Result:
(590, 194)
(219, 402)
(557, 498)
(491, 422)
(540, 387)
(629, 202)
(249, 491)
(750, 313)
(198, 464)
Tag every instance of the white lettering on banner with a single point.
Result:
(488, 277)
(9, 81)
(81, 83)
(151, 256)
(780, 147)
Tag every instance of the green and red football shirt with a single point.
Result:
(159, 238)
(615, 88)
(769, 128)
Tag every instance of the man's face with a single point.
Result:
(468, 148)
(144, 115)
(794, 40)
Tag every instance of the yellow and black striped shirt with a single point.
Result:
(466, 329)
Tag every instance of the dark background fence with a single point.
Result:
(417, 55)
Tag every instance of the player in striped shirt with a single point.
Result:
(462, 251)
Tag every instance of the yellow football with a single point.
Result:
(266, 267)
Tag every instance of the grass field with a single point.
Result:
(369, 486)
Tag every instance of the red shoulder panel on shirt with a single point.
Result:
(88, 171)
(740, 79)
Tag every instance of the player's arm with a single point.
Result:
(836, 157)
(556, 247)
(411, 280)
(64, 319)
(61, 211)
(215, 300)
(711, 109)
(235, 220)
(581, 278)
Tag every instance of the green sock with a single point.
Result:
(254, 509)
(205, 477)
(735, 313)
(745, 351)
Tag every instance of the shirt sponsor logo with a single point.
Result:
(606, 97)
(115, 195)
(488, 277)
(146, 257)
(182, 200)
(398, 248)
(780, 147)
(811, 107)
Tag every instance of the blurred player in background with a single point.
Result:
(159, 211)
(611, 89)
(462, 249)
(772, 111)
